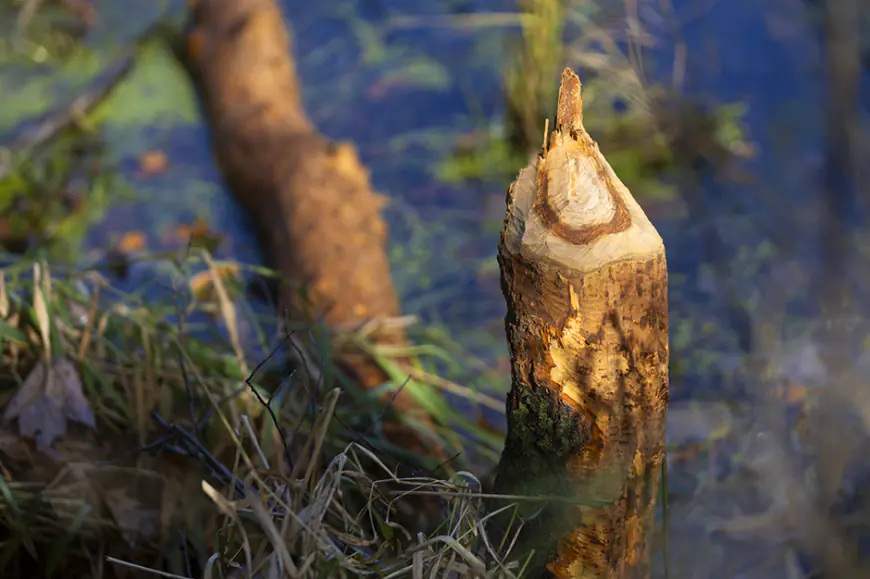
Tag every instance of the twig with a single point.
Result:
(144, 569)
(268, 404)
(196, 449)
(313, 384)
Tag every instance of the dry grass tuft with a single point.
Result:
(183, 438)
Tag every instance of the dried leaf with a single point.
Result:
(196, 229)
(200, 234)
(131, 242)
(228, 310)
(793, 392)
(40, 306)
(153, 163)
(50, 396)
(4, 297)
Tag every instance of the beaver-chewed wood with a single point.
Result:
(585, 280)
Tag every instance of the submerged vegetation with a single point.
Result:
(631, 116)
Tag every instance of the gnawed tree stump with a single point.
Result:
(311, 200)
(585, 280)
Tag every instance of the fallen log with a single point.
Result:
(585, 281)
(310, 199)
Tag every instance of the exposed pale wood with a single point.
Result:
(585, 280)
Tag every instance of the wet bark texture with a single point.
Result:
(585, 280)
(310, 199)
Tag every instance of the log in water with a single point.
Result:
(310, 199)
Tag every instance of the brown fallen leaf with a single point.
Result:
(199, 234)
(794, 393)
(50, 396)
(153, 163)
(132, 242)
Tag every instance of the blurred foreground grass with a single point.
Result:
(132, 406)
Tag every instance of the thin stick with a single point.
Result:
(144, 569)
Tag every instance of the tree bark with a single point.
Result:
(585, 280)
(310, 199)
